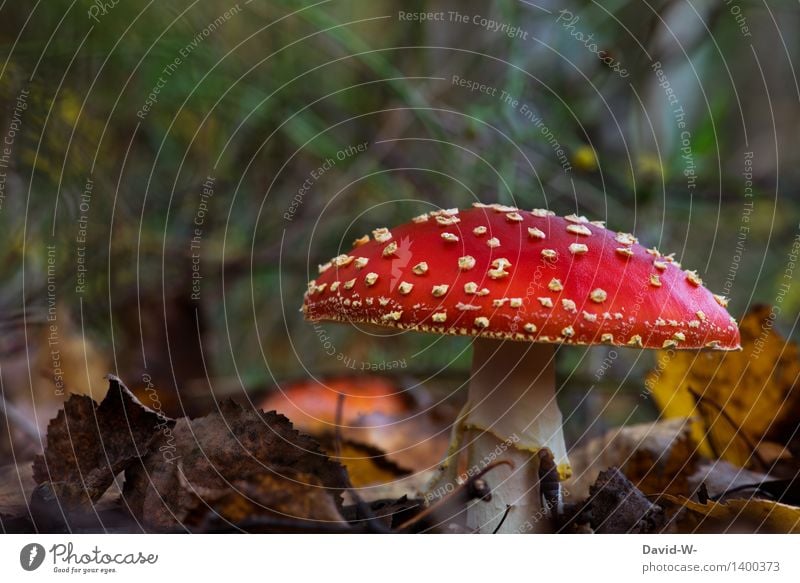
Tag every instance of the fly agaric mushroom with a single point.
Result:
(520, 282)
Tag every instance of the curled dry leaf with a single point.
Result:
(742, 515)
(616, 506)
(657, 457)
(756, 387)
(720, 476)
(232, 463)
(723, 480)
(288, 497)
(88, 444)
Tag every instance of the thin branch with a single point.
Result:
(502, 520)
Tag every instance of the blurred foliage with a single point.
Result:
(260, 102)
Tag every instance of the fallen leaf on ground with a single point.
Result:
(230, 464)
(724, 479)
(291, 496)
(366, 464)
(616, 506)
(391, 512)
(16, 485)
(413, 486)
(743, 515)
(719, 477)
(756, 387)
(89, 444)
(657, 457)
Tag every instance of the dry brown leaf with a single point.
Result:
(720, 476)
(615, 506)
(229, 461)
(741, 515)
(89, 444)
(366, 465)
(755, 386)
(16, 485)
(657, 457)
(286, 497)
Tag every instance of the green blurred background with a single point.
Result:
(130, 122)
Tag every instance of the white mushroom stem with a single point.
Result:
(511, 414)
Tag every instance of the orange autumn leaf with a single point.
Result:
(742, 515)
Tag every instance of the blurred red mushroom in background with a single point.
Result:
(311, 404)
(378, 417)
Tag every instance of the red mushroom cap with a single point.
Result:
(500, 272)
